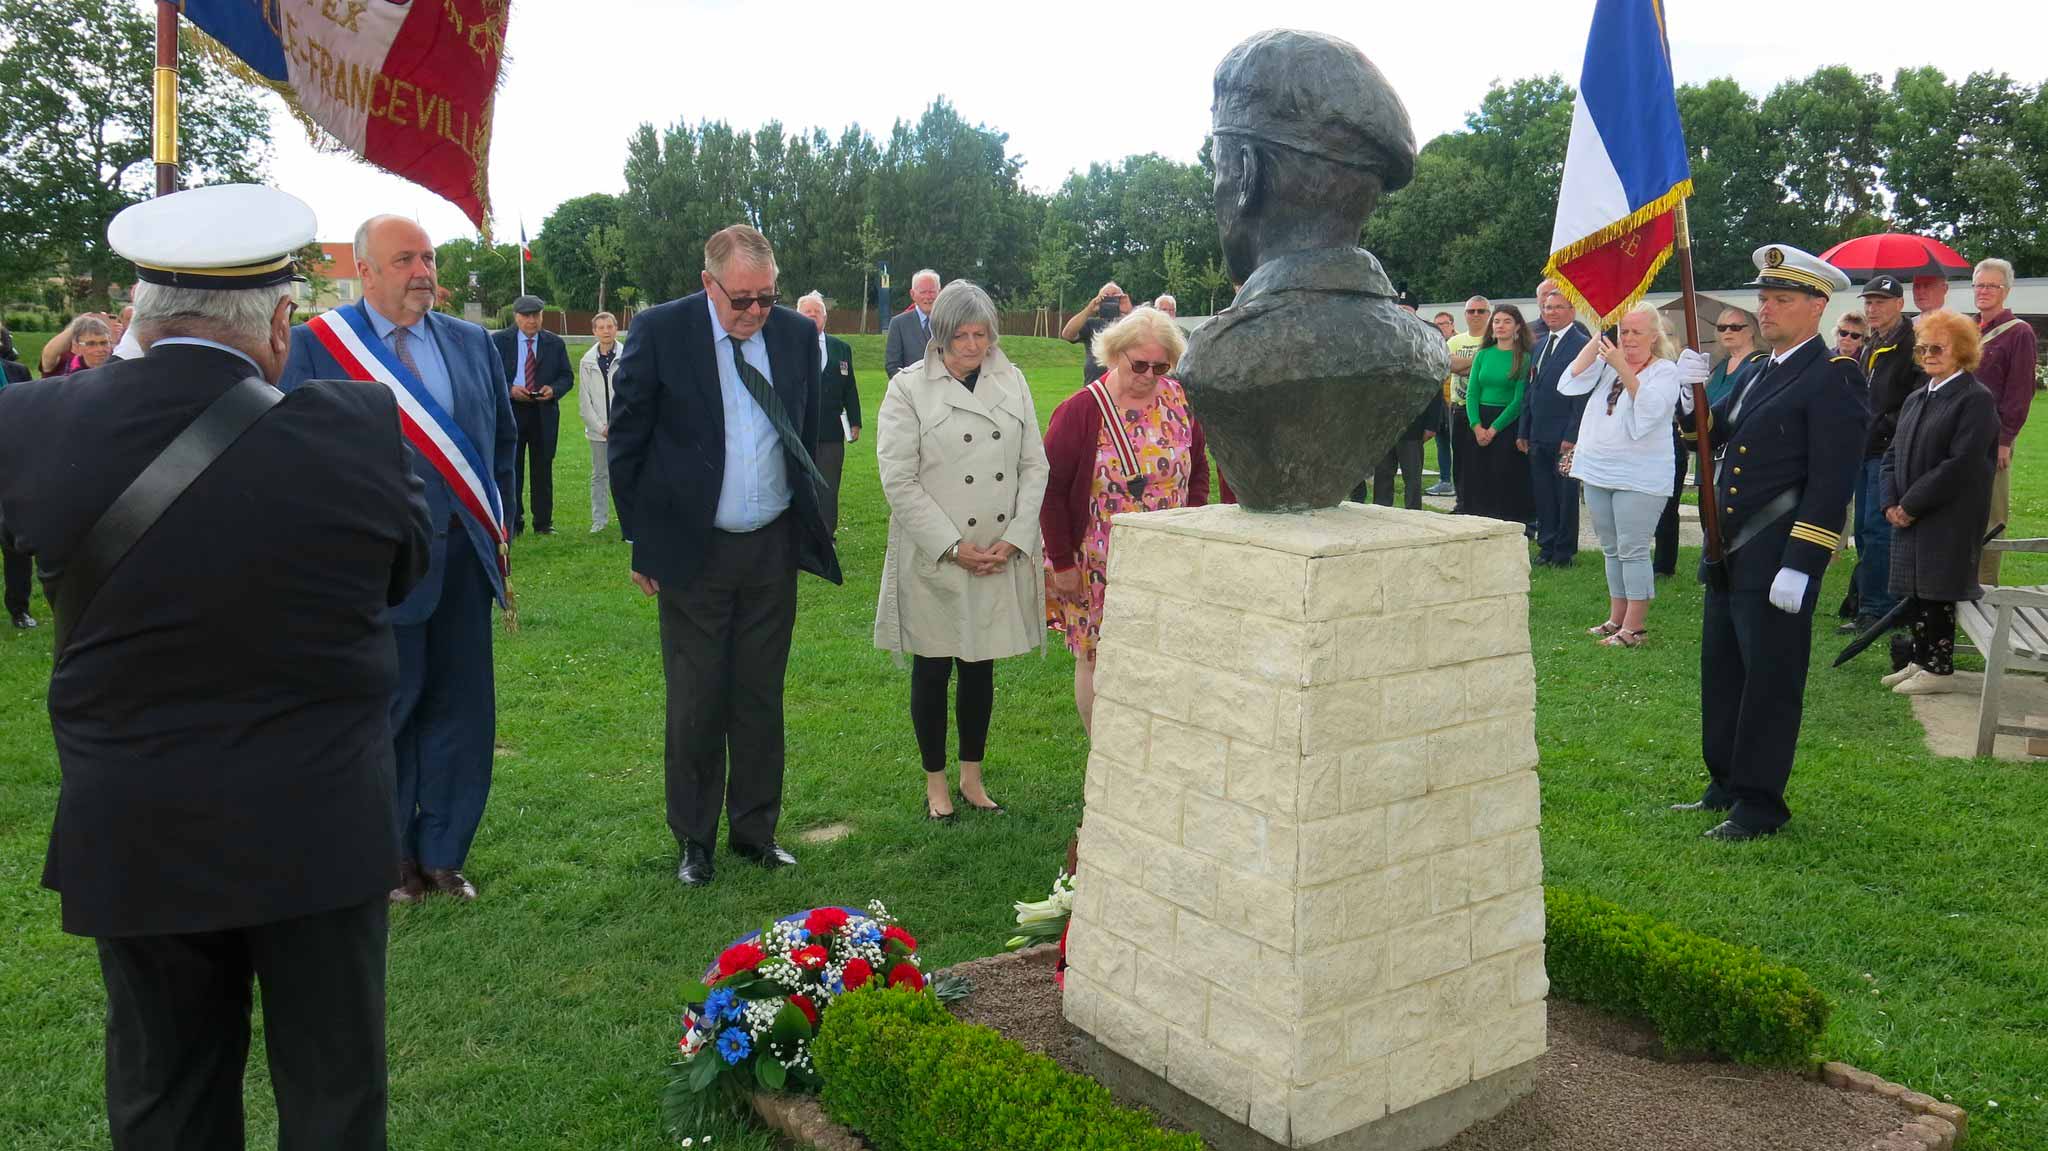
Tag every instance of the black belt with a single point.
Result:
(1779, 506)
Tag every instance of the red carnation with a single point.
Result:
(894, 932)
(740, 957)
(906, 974)
(825, 921)
(856, 973)
(804, 1004)
(812, 958)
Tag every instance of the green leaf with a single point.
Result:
(790, 1028)
(704, 1068)
(770, 1072)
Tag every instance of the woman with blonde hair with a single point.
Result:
(1623, 457)
(962, 467)
(1124, 443)
(1936, 493)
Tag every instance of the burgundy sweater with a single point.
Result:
(1071, 443)
(2008, 370)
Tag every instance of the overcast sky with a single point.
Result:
(582, 74)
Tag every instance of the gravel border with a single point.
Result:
(1932, 1124)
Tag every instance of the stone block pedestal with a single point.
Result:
(1310, 887)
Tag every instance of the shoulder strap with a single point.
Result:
(150, 494)
(2002, 329)
(1119, 439)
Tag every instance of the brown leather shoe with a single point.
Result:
(410, 889)
(448, 881)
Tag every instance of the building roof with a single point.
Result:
(341, 259)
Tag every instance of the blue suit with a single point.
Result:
(445, 712)
(1549, 420)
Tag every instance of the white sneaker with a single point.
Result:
(1928, 683)
(1902, 675)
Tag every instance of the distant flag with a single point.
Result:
(1625, 170)
(409, 87)
(525, 249)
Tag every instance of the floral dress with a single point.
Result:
(1164, 438)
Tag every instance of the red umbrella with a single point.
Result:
(1896, 254)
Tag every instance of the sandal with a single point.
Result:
(1604, 630)
(991, 808)
(1623, 637)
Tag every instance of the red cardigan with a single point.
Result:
(1071, 442)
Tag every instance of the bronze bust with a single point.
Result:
(1308, 378)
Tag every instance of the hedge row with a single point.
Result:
(902, 1071)
(1700, 993)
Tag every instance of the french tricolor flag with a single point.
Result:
(408, 86)
(1625, 170)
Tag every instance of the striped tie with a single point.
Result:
(771, 406)
(532, 368)
(401, 343)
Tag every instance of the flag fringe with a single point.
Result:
(1669, 201)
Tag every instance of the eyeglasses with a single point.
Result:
(1989, 287)
(764, 301)
(1846, 334)
(1731, 327)
(1930, 349)
(1476, 311)
(1150, 367)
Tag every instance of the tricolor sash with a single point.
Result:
(433, 433)
(1119, 438)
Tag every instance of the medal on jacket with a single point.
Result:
(1119, 439)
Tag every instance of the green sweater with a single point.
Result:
(1494, 384)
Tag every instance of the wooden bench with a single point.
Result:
(2009, 626)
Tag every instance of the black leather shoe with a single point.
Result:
(543, 531)
(1729, 831)
(696, 867)
(769, 855)
(23, 620)
(1696, 805)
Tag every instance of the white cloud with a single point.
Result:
(1128, 77)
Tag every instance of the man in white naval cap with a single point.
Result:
(1788, 441)
(221, 559)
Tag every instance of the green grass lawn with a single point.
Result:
(1914, 890)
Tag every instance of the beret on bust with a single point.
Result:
(1317, 95)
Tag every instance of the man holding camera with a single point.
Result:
(1108, 306)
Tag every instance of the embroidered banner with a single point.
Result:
(409, 87)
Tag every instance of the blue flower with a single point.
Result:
(867, 933)
(734, 1044)
(722, 1004)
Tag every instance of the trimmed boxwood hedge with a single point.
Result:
(902, 1071)
(1700, 993)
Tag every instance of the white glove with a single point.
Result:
(1693, 368)
(1788, 591)
(1685, 400)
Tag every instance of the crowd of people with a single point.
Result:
(718, 429)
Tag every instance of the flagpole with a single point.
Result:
(164, 140)
(1702, 419)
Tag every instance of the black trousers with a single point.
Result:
(18, 569)
(1557, 504)
(539, 425)
(830, 456)
(1932, 626)
(1753, 661)
(928, 678)
(1664, 559)
(1406, 454)
(178, 1032)
(724, 650)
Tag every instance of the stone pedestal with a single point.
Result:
(1310, 888)
(473, 312)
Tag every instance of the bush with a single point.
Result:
(901, 1070)
(1700, 993)
(35, 321)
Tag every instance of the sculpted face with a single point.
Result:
(1234, 196)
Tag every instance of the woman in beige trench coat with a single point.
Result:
(964, 470)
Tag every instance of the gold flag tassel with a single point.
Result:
(511, 613)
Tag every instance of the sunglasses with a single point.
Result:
(1846, 334)
(764, 301)
(1150, 367)
(1731, 327)
(1475, 311)
(1930, 349)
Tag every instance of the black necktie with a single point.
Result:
(1549, 346)
(771, 406)
(1742, 393)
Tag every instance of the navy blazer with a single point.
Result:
(667, 437)
(1548, 417)
(551, 357)
(483, 409)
